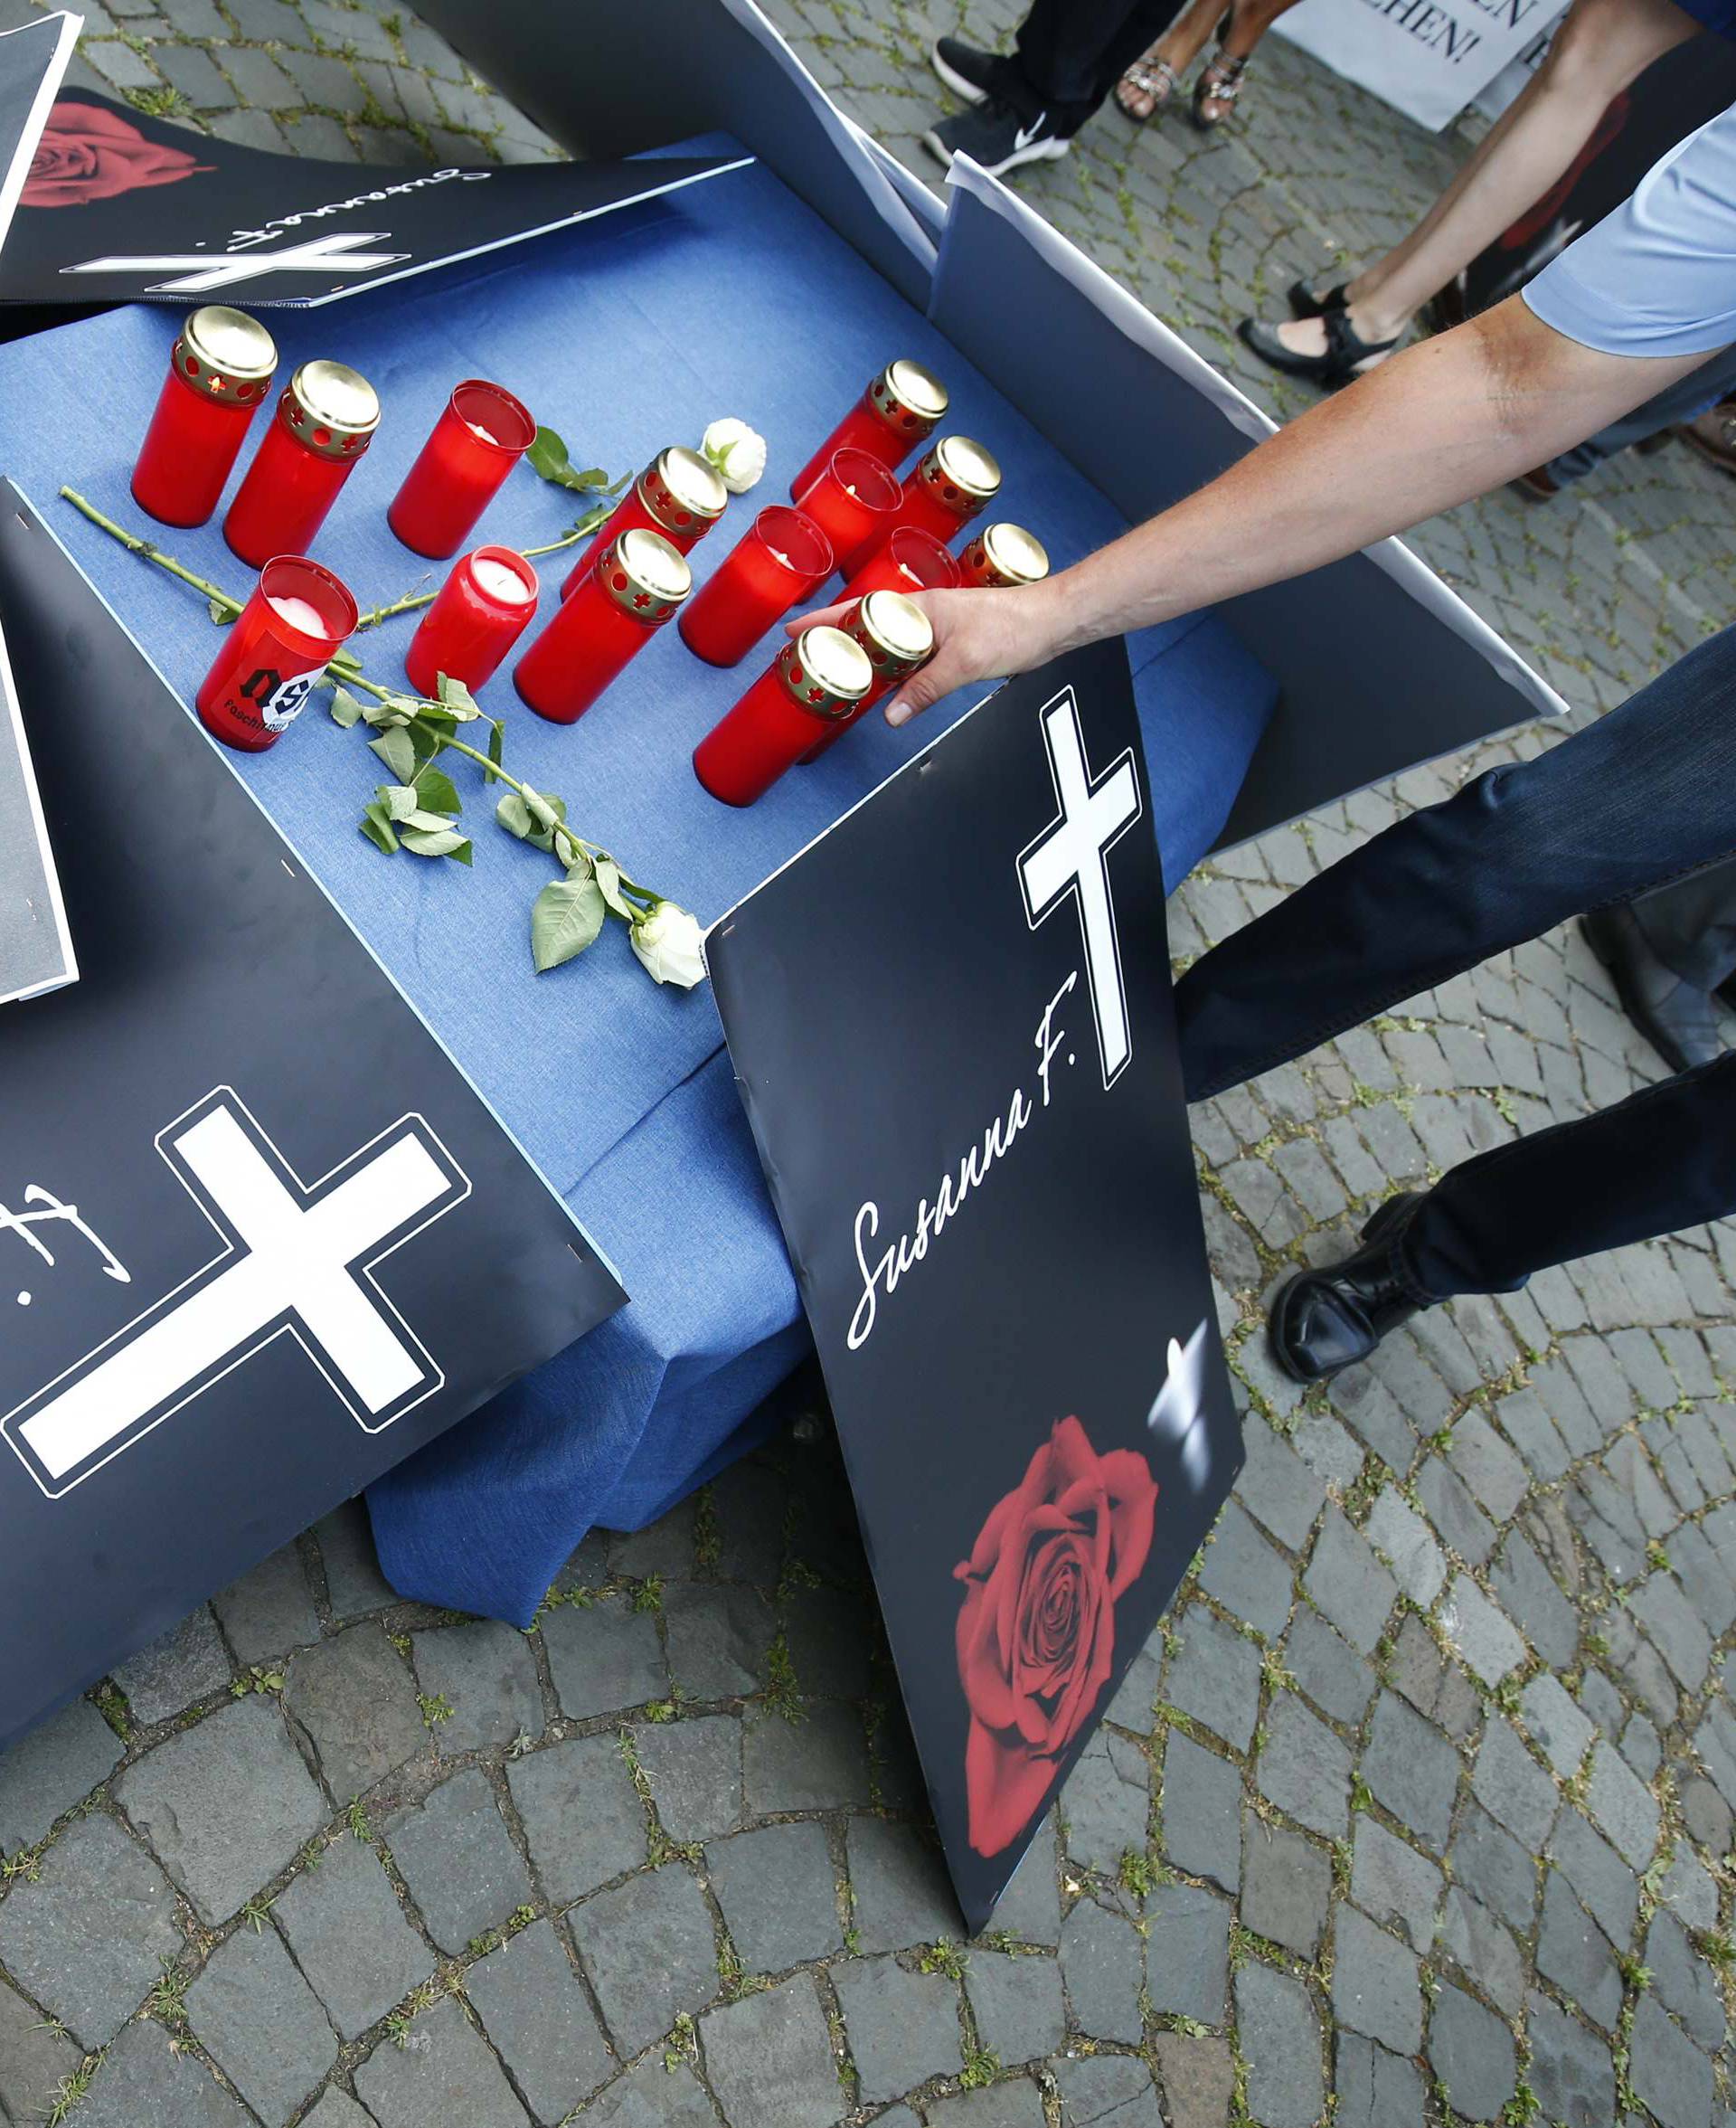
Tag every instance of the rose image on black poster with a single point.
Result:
(89, 151)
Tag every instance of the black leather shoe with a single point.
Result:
(1325, 1321)
(1680, 1022)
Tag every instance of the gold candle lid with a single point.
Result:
(331, 408)
(962, 472)
(1005, 554)
(908, 398)
(225, 354)
(894, 632)
(825, 671)
(645, 575)
(682, 491)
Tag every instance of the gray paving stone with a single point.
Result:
(270, 1610)
(337, 2109)
(1472, 2052)
(1493, 1865)
(831, 1634)
(444, 2071)
(1682, 1640)
(356, 1701)
(653, 2096)
(1482, 1947)
(1597, 1874)
(456, 1855)
(902, 2028)
(1484, 1638)
(1706, 1815)
(144, 2079)
(820, 1763)
(902, 1897)
(1214, 1675)
(253, 2012)
(1689, 1892)
(1017, 2005)
(1013, 2104)
(1624, 1810)
(1375, 2089)
(1403, 1538)
(649, 1954)
(1524, 1587)
(1512, 1787)
(1188, 1953)
(1327, 1668)
(719, 1637)
(1685, 1982)
(1601, 1701)
(694, 1769)
(1348, 1583)
(604, 1659)
(1106, 1802)
(1276, 1487)
(1393, 1884)
(187, 1663)
(1455, 1518)
(1669, 2074)
(90, 1933)
(1201, 1811)
(1241, 1571)
(1100, 1966)
(581, 1814)
(36, 2060)
(1106, 2091)
(486, 1673)
(770, 2058)
(1496, 1476)
(1375, 1985)
(56, 1765)
(1627, 1463)
(540, 2020)
(1304, 1769)
(1030, 1907)
(1705, 1582)
(1573, 1953)
(1571, 2070)
(1286, 1887)
(350, 1936)
(1412, 1769)
(775, 1887)
(1136, 1696)
(1554, 1723)
(354, 1582)
(1279, 2031)
(1375, 1415)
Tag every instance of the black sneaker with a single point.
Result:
(970, 74)
(995, 135)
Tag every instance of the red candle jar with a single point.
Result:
(901, 409)
(220, 370)
(949, 486)
(297, 620)
(814, 681)
(897, 637)
(679, 494)
(910, 560)
(638, 582)
(1003, 556)
(482, 608)
(782, 559)
(481, 435)
(854, 500)
(324, 421)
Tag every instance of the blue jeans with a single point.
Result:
(1712, 383)
(1645, 796)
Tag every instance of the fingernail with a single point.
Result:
(898, 713)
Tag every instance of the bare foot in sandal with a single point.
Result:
(1145, 87)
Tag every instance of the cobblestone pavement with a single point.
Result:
(1419, 1807)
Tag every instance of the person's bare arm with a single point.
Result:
(1445, 420)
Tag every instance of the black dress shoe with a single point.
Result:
(1680, 1022)
(1326, 1320)
(972, 74)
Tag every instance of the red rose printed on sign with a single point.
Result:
(87, 153)
(1036, 1636)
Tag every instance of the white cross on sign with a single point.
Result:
(298, 1261)
(1070, 859)
(198, 274)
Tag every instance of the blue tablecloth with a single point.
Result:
(730, 296)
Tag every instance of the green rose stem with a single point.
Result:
(134, 545)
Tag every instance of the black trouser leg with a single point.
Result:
(1071, 53)
(1692, 926)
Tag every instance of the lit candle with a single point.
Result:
(481, 433)
(901, 409)
(951, 485)
(782, 559)
(484, 607)
(814, 681)
(297, 621)
(855, 501)
(1003, 556)
(680, 494)
(220, 371)
(324, 421)
(637, 584)
(897, 638)
(910, 560)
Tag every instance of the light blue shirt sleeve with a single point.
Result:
(1657, 275)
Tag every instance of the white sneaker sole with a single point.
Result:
(1040, 151)
(965, 91)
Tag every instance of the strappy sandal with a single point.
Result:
(1229, 73)
(1347, 353)
(1148, 77)
(1304, 303)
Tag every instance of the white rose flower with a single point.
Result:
(737, 451)
(667, 943)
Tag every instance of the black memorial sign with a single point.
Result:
(950, 1021)
(259, 1239)
(119, 207)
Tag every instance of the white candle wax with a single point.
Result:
(297, 613)
(499, 582)
(476, 429)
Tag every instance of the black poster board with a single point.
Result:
(950, 1022)
(259, 1239)
(33, 57)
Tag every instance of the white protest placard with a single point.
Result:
(1427, 58)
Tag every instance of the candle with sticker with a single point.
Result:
(1002, 557)
(854, 500)
(899, 640)
(679, 494)
(220, 371)
(323, 424)
(953, 483)
(910, 560)
(901, 409)
(484, 607)
(481, 435)
(298, 618)
(814, 683)
(638, 581)
(782, 559)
